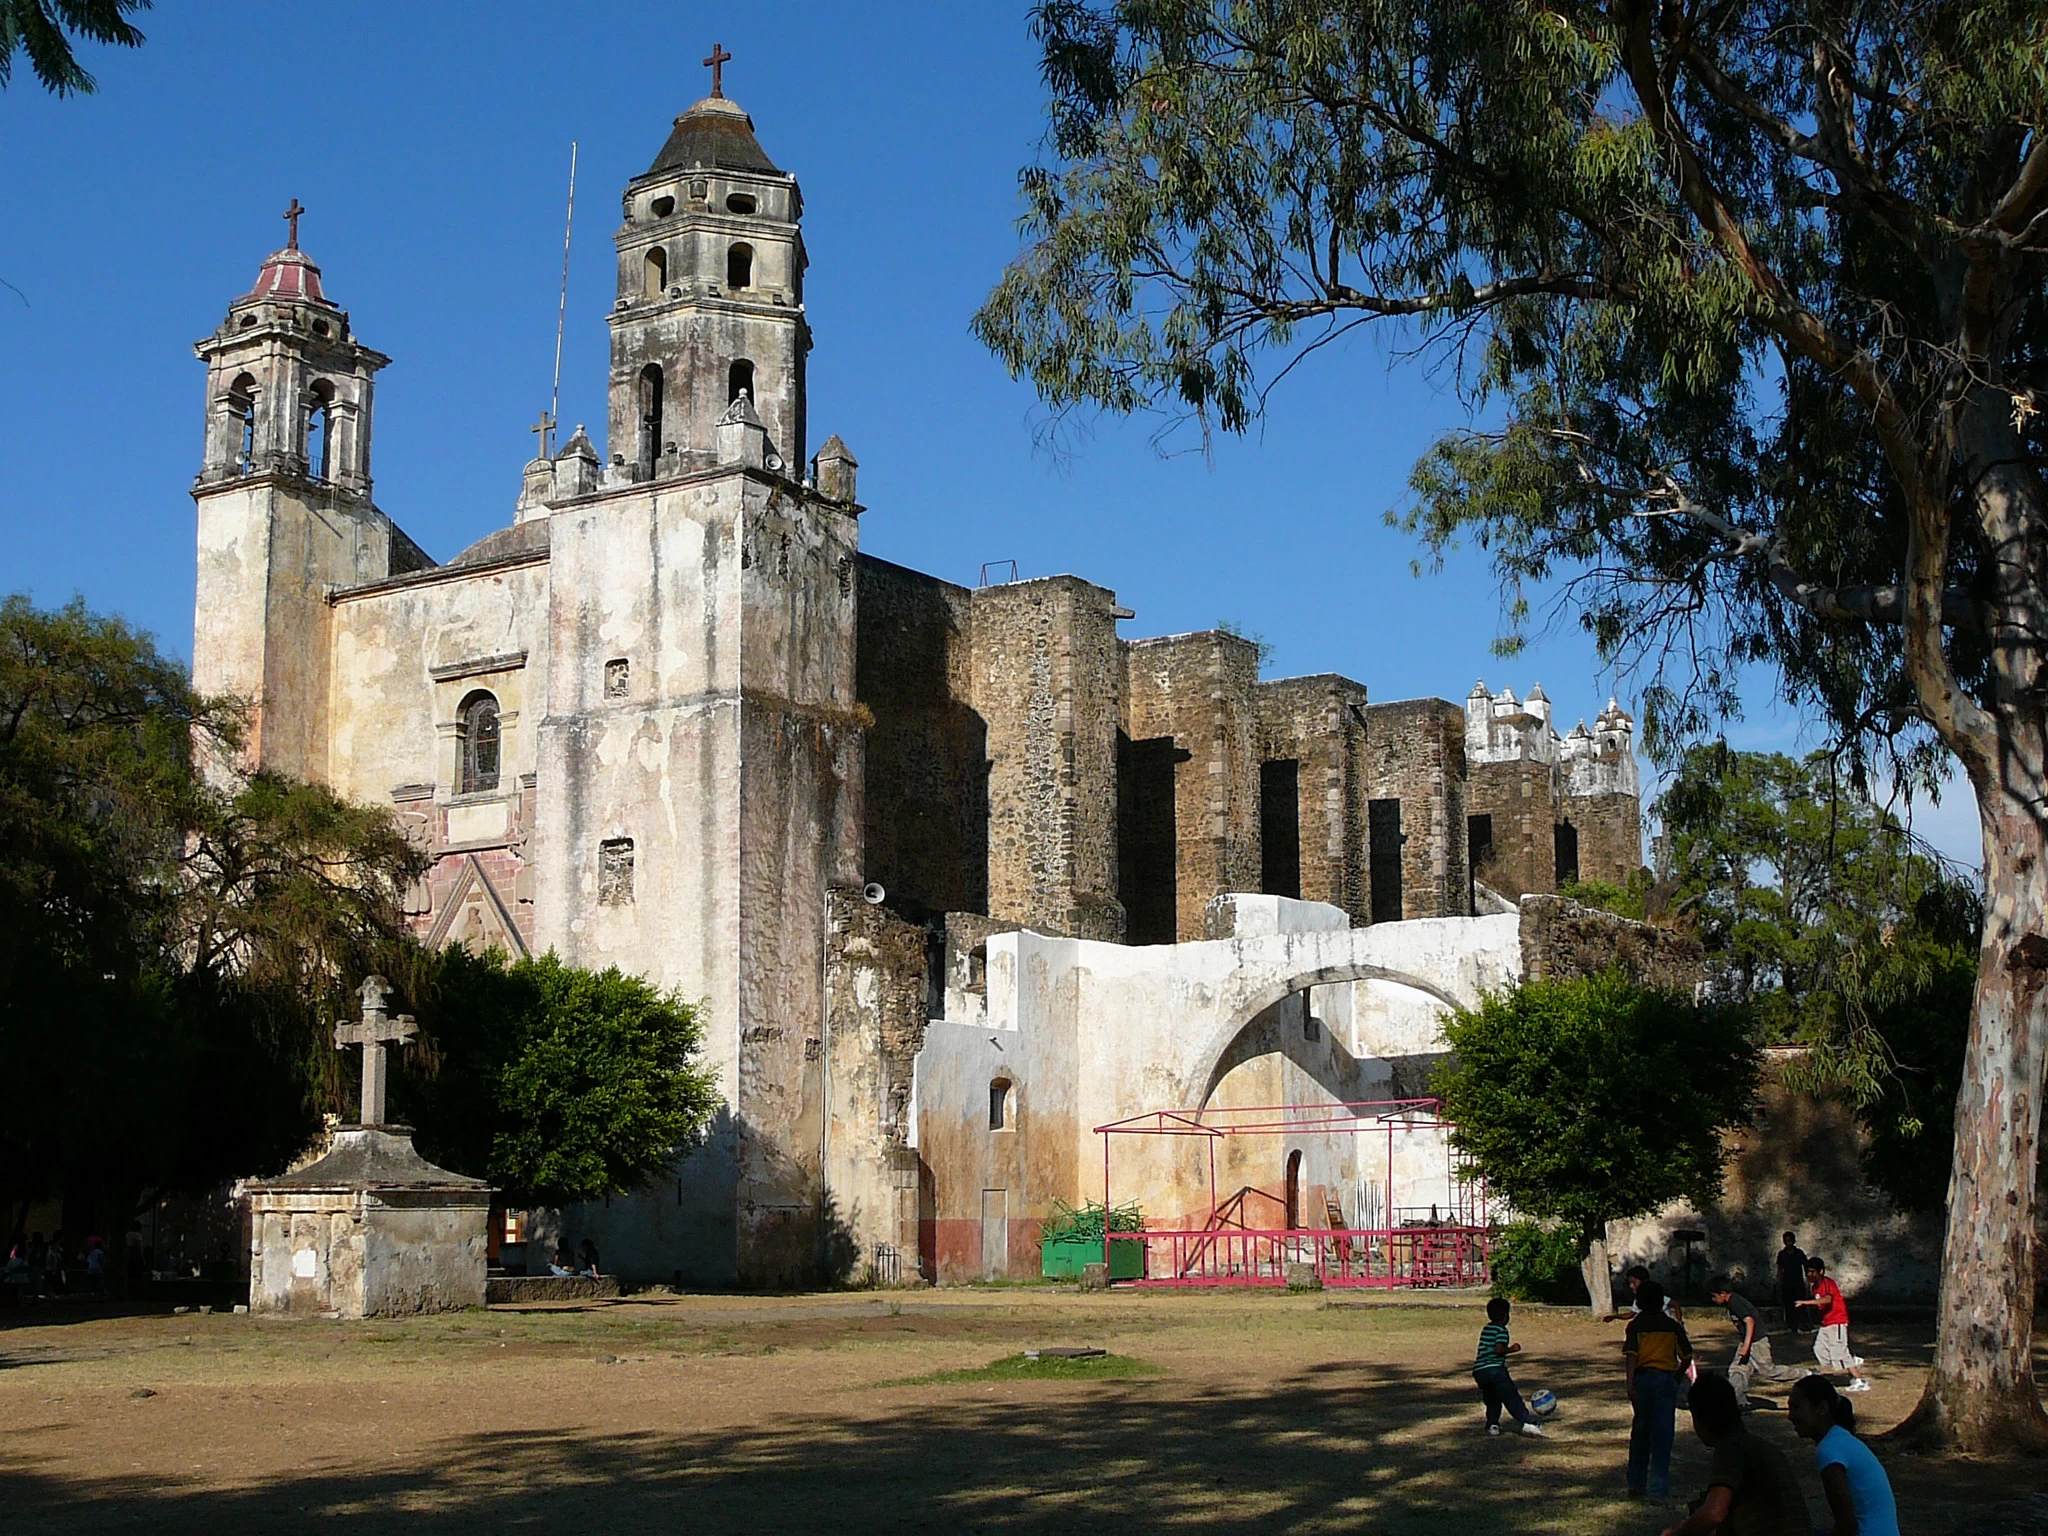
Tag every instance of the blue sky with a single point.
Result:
(430, 145)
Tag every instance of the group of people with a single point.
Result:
(1750, 1487)
(567, 1265)
(40, 1266)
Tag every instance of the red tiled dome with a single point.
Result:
(287, 274)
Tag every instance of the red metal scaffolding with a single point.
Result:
(1447, 1248)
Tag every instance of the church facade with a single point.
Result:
(671, 719)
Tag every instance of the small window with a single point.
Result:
(618, 674)
(615, 872)
(662, 207)
(319, 327)
(740, 202)
(739, 267)
(655, 273)
(739, 380)
(477, 731)
(1000, 1110)
(248, 322)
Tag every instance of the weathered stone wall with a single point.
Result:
(1045, 680)
(1195, 691)
(1415, 753)
(1320, 723)
(1521, 798)
(1795, 1168)
(407, 654)
(1610, 829)
(1561, 938)
(927, 751)
(876, 1014)
(270, 548)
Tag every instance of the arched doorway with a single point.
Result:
(1294, 1191)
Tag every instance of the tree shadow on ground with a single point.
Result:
(1337, 1447)
(1396, 1449)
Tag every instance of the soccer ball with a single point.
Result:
(1543, 1403)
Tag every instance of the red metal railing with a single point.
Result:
(1388, 1257)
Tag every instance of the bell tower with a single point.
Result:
(283, 495)
(710, 298)
(287, 388)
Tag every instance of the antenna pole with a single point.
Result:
(562, 313)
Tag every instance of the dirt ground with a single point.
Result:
(1267, 1412)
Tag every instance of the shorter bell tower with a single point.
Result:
(285, 514)
(710, 299)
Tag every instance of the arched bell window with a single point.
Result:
(320, 432)
(739, 266)
(477, 729)
(241, 407)
(655, 273)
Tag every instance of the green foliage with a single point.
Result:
(1065, 1222)
(38, 28)
(557, 1084)
(172, 949)
(1791, 875)
(1591, 1099)
(1630, 900)
(1846, 935)
(1537, 1261)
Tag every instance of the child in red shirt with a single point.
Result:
(1831, 1312)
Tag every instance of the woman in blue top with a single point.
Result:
(1859, 1494)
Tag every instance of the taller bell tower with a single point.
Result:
(710, 300)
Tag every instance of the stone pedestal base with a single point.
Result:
(370, 1230)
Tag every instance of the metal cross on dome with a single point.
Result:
(291, 218)
(717, 62)
(376, 1030)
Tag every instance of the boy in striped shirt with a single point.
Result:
(1490, 1371)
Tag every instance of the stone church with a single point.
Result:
(671, 719)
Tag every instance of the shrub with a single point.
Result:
(1534, 1261)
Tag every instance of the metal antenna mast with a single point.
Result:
(562, 313)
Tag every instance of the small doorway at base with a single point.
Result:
(1294, 1191)
(995, 1234)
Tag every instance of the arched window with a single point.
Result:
(655, 273)
(650, 417)
(739, 266)
(740, 377)
(476, 728)
(242, 420)
(1001, 1111)
(1294, 1191)
(320, 432)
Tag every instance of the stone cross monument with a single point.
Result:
(376, 1030)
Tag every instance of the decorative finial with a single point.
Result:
(291, 218)
(716, 63)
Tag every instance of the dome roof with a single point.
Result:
(715, 134)
(287, 274)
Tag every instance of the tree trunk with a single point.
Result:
(1980, 1396)
(1599, 1278)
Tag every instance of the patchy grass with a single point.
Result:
(1044, 1368)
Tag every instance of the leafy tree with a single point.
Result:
(1749, 300)
(1593, 1100)
(1788, 871)
(39, 27)
(558, 1084)
(172, 949)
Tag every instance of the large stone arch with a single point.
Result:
(1268, 970)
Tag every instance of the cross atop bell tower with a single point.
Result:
(710, 302)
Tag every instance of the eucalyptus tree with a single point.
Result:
(1747, 300)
